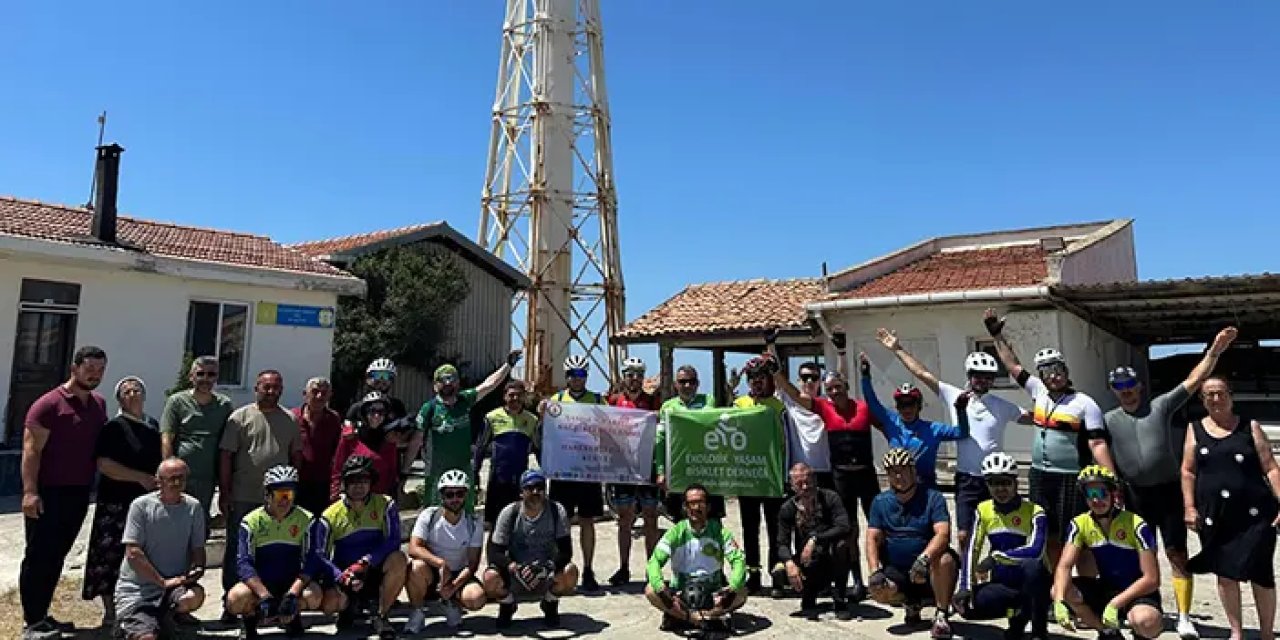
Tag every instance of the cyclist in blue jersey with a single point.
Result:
(905, 428)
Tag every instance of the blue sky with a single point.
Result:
(751, 139)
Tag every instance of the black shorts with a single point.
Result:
(856, 486)
(582, 499)
(970, 490)
(148, 619)
(914, 593)
(1161, 506)
(644, 496)
(1058, 494)
(497, 495)
(1097, 595)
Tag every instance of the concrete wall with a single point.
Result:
(1111, 259)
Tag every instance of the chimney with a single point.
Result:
(107, 176)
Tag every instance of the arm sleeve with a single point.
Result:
(1094, 425)
(877, 518)
(888, 420)
(839, 528)
(169, 416)
(1035, 542)
(938, 509)
(500, 540)
(959, 431)
(736, 559)
(244, 552)
(786, 531)
(1170, 402)
(391, 543)
(231, 434)
(109, 441)
(135, 530)
(977, 540)
(320, 563)
(661, 554)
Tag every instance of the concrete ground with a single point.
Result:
(623, 613)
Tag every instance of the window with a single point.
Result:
(220, 329)
(989, 346)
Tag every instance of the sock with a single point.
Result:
(1182, 590)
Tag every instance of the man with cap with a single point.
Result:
(445, 422)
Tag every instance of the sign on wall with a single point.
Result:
(293, 315)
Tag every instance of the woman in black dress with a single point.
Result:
(128, 453)
(1229, 483)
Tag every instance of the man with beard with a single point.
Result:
(357, 540)
(258, 436)
(58, 469)
(813, 540)
(908, 545)
(627, 497)
(445, 556)
(510, 435)
(445, 423)
(761, 392)
(191, 428)
(687, 397)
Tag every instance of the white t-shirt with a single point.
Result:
(807, 437)
(988, 415)
(449, 541)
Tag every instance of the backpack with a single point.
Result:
(433, 516)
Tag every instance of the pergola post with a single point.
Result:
(717, 377)
(666, 373)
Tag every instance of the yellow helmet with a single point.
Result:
(1097, 473)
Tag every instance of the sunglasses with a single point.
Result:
(534, 488)
(1053, 369)
(281, 494)
(687, 381)
(447, 379)
(378, 411)
(203, 375)
(809, 377)
(1096, 493)
(906, 405)
(1001, 483)
(381, 376)
(1121, 385)
(454, 494)
(576, 373)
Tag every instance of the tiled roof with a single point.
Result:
(321, 248)
(744, 305)
(960, 270)
(33, 219)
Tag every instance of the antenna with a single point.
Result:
(93, 183)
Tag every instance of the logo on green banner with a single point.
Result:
(733, 451)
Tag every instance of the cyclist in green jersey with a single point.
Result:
(687, 397)
(698, 594)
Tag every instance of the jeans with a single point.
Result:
(49, 539)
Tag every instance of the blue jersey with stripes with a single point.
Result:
(921, 437)
(347, 532)
(1016, 529)
(1118, 550)
(274, 551)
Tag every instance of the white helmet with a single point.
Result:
(279, 475)
(980, 362)
(382, 364)
(453, 479)
(633, 364)
(575, 361)
(999, 464)
(1048, 356)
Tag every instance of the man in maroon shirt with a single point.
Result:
(320, 428)
(58, 468)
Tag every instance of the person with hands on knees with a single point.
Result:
(698, 594)
(275, 559)
(908, 545)
(530, 553)
(445, 556)
(1128, 582)
(1017, 574)
(815, 524)
(358, 541)
(905, 429)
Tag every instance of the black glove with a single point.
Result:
(266, 608)
(193, 576)
(288, 607)
(962, 400)
(839, 340)
(771, 335)
(995, 325)
(961, 600)
(985, 565)
(878, 579)
(514, 357)
(920, 568)
(864, 366)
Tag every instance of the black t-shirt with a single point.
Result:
(132, 444)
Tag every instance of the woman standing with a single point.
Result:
(374, 437)
(128, 453)
(1230, 482)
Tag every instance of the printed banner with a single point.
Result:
(598, 443)
(733, 452)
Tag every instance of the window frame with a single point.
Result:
(250, 310)
(1003, 379)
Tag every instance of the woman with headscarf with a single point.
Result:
(374, 436)
(128, 453)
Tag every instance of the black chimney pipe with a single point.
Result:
(108, 184)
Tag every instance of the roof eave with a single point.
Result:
(1007, 294)
(508, 274)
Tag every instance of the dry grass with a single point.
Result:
(67, 606)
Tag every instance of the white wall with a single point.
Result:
(140, 319)
(1112, 259)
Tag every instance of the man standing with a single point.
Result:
(1149, 458)
(625, 498)
(164, 556)
(191, 428)
(258, 436)
(58, 467)
(445, 423)
(319, 428)
(761, 392)
(510, 435)
(687, 397)
(813, 541)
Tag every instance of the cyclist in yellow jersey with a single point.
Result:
(1124, 545)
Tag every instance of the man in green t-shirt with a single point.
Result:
(687, 397)
(191, 428)
(445, 421)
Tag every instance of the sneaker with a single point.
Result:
(248, 628)
(857, 593)
(911, 614)
(589, 581)
(1187, 629)
(42, 630)
(452, 615)
(941, 628)
(620, 577)
(1110, 634)
(383, 627)
(506, 611)
(417, 620)
(65, 627)
(550, 612)
(346, 618)
(841, 607)
(753, 582)
(294, 628)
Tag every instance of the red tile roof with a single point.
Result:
(745, 305)
(34, 219)
(963, 270)
(321, 248)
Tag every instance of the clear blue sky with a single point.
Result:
(754, 138)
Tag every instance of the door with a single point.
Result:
(42, 351)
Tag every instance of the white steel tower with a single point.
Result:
(549, 203)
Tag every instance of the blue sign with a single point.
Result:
(293, 315)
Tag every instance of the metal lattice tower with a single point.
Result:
(549, 203)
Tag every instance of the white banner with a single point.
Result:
(598, 443)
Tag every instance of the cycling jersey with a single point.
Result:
(848, 432)
(643, 400)
(447, 441)
(509, 439)
(921, 437)
(386, 461)
(1146, 448)
(1017, 529)
(1116, 551)
(587, 397)
(1060, 449)
(988, 416)
(276, 552)
(699, 401)
(693, 551)
(346, 532)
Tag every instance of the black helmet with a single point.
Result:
(356, 466)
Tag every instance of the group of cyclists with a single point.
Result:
(1081, 546)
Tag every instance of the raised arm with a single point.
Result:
(485, 388)
(890, 341)
(869, 394)
(1221, 343)
(995, 327)
(961, 430)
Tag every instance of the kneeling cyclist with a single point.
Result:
(697, 547)
(445, 550)
(1124, 545)
(1019, 574)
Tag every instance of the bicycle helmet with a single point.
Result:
(453, 479)
(980, 362)
(633, 364)
(1048, 356)
(575, 361)
(382, 364)
(898, 457)
(999, 463)
(532, 477)
(1097, 473)
(280, 475)
(1122, 377)
(907, 391)
(357, 466)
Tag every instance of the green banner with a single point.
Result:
(734, 452)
